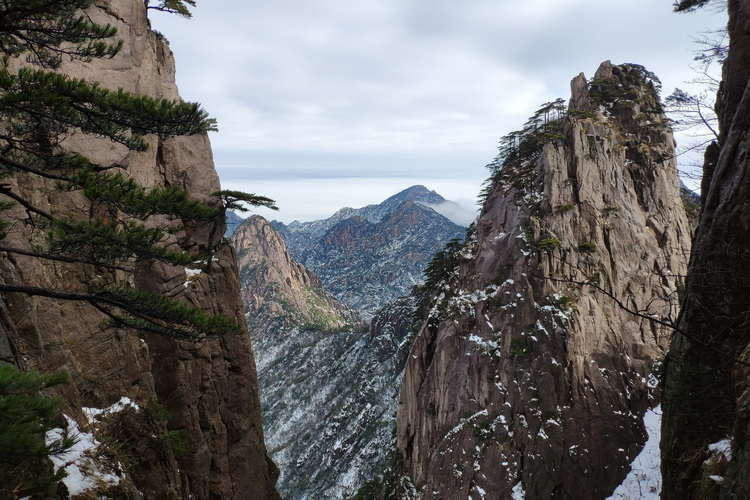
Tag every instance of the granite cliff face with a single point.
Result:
(370, 256)
(523, 382)
(177, 419)
(706, 451)
(329, 385)
(278, 292)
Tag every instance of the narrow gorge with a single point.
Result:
(535, 366)
(578, 332)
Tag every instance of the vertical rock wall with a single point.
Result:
(522, 382)
(207, 392)
(705, 447)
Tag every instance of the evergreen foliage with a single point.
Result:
(436, 275)
(127, 224)
(611, 93)
(181, 7)
(519, 150)
(45, 31)
(237, 200)
(689, 5)
(25, 418)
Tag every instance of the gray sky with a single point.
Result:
(330, 103)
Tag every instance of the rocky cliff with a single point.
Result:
(370, 256)
(706, 452)
(278, 292)
(329, 385)
(526, 379)
(158, 417)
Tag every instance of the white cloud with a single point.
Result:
(416, 79)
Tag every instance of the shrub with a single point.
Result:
(548, 244)
(587, 247)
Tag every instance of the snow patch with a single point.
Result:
(723, 447)
(644, 479)
(95, 413)
(518, 493)
(83, 472)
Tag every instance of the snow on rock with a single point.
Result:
(723, 447)
(124, 402)
(518, 492)
(83, 472)
(644, 480)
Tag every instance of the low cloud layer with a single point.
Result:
(462, 212)
(356, 94)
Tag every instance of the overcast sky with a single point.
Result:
(330, 103)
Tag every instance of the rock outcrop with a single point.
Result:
(526, 379)
(278, 292)
(329, 386)
(370, 256)
(193, 429)
(706, 428)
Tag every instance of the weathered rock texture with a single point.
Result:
(329, 386)
(277, 291)
(208, 389)
(370, 256)
(707, 392)
(521, 380)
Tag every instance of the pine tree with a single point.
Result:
(39, 108)
(25, 418)
(181, 7)
(690, 5)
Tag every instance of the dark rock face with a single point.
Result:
(329, 387)
(707, 392)
(370, 256)
(207, 392)
(521, 382)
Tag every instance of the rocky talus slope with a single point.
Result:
(329, 385)
(155, 390)
(370, 256)
(706, 446)
(522, 382)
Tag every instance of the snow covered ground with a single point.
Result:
(644, 480)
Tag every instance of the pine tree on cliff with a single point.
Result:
(125, 224)
(181, 7)
(26, 419)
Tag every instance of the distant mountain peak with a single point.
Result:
(415, 193)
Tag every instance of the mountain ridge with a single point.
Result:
(370, 256)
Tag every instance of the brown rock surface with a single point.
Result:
(520, 379)
(209, 389)
(277, 291)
